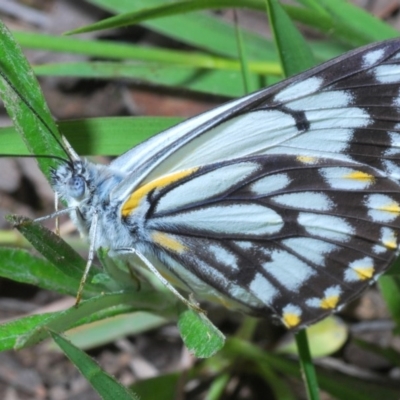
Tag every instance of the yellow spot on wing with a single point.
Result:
(137, 196)
(307, 159)
(168, 242)
(360, 176)
(291, 319)
(364, 272)
(391, 207)
(329, 302)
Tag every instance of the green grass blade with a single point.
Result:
(294, 53)
(105, 385)
(203, 80)
(359, 21)
(25, 103)
(307, 366)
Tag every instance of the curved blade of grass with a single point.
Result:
(25, 104)
(196, 29)
(105, 385)
(165, 10)
(112, 50)
(361, 22)
(294, 53)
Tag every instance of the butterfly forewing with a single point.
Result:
(347, 108)
(289, 235)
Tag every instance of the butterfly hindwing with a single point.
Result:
(293, 235)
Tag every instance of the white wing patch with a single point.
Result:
(263, 289)
(299, 89)
(372, 57)
(326, 226)
(228, 219)
(282, 267)
(322, 101)
(387, 74)
(269, 184)
(311, 249)
(211, 184)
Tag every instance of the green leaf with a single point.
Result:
(200, 336)
(107, 387)
(56, 250)
(294, 53)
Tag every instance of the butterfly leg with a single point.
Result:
(189, 303)
(92, 249)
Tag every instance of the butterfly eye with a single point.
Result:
(77, 187)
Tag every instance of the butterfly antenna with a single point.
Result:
(71, 156)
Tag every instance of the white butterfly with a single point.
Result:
(283, 202)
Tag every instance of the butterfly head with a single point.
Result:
(72, 181)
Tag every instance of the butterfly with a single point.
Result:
(283, 203)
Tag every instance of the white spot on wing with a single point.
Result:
(387, 73)
(311, 249)
(322, 101)
(349, 117)
(326, 226)
(305, 200)
(372, 57)
(263, 289)
(224, 256)
(234, 219)
(392, 169)
(319, 140)
(288, 269)
(299, 89)
(269, 184)
(394, 148)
